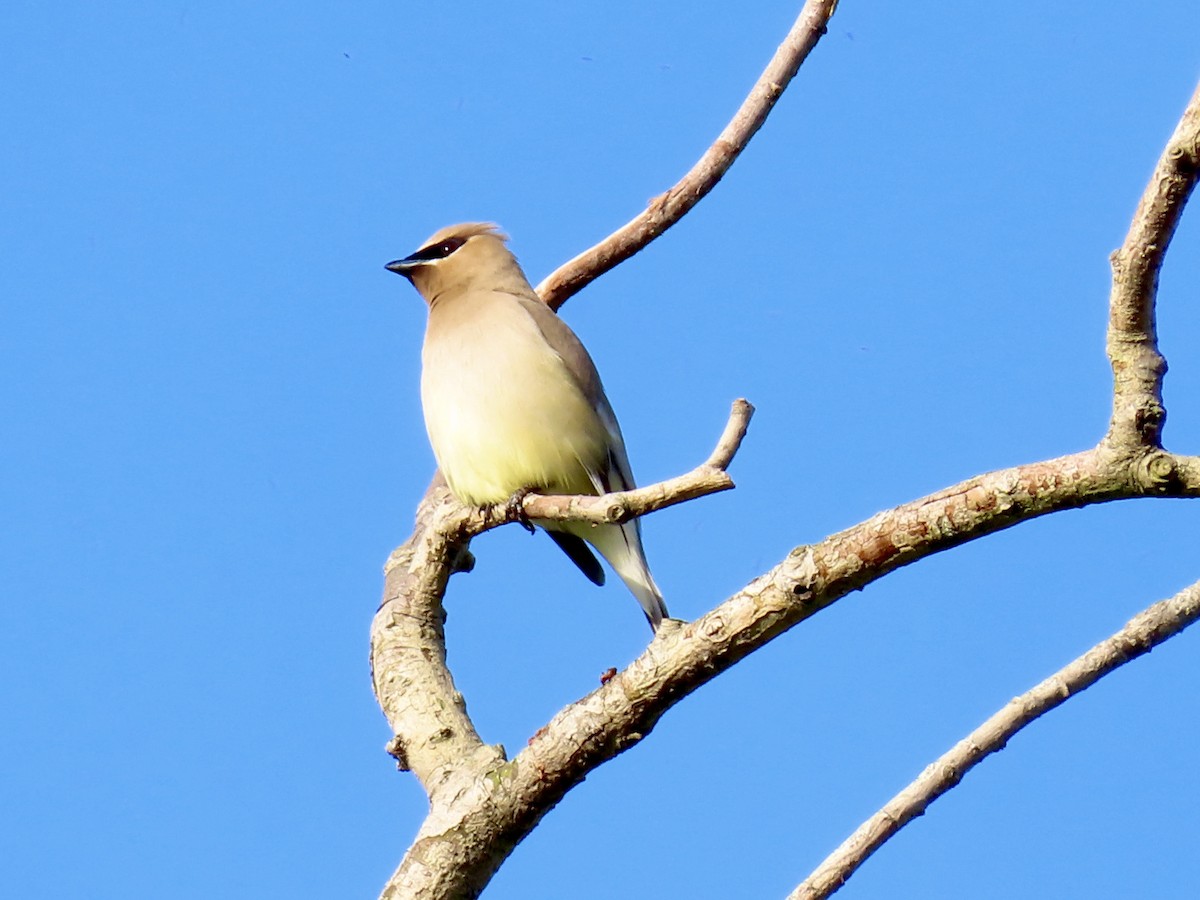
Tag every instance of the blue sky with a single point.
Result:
(212, 435)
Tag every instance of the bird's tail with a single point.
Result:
(621, 545)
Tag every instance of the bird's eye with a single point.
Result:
(438, 251)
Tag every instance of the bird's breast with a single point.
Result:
(502, 411)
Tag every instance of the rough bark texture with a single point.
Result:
(1138, 366)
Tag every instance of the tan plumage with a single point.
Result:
(512, 400)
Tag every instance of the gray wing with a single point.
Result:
(621, 545)
(579, 363)
(563, 341)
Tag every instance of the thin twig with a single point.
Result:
(731, 438)
(668, 208)
(1138, 365)
(1140, 635)
(709, 477)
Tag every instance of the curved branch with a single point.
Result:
(668, 208)
(415, 689)
(1138, 366)
(1140, 635)
(810, 579)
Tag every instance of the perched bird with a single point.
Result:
(513, 402)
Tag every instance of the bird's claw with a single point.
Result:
(515, 507)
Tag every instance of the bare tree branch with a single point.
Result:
(624, 710)
(408, 651)
(1140, 635)
(681, 658)
(1138, 416)
(732, 436)
(668, 208)
(1138, 366)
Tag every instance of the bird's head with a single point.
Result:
(462, 257)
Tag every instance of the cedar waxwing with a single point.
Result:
(513, 402)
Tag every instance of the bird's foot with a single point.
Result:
(515, 507)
